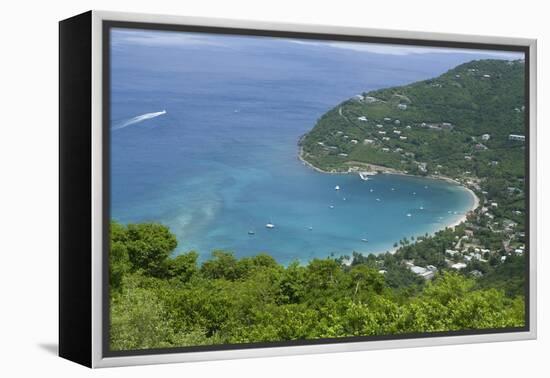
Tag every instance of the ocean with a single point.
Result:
(204, 133)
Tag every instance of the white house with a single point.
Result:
(370, 99)
(485, 137)
(423, 272)
(402, 106)
(517, 137)
(459, 266)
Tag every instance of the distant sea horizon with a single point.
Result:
(204, 134)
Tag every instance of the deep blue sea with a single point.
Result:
(222, 160)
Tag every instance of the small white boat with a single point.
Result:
(251, 232)
(343, 199)
(310, 228)
(331, 206)
(269, 225)
(392, 189)
(421, 207)
(409, 214)
(414, 193)
(378, 199)
(337, 187)
(364, 240)
(372, 190)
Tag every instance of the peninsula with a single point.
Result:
(466, 126)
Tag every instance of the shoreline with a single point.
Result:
(378, 169)
(475, 205)
(390, 171)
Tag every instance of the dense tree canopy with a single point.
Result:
(162, 301)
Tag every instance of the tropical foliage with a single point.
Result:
(158, 300)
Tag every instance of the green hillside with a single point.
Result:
(458, 125)
(158, 300)
(432, 127)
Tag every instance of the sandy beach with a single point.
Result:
(474, 206)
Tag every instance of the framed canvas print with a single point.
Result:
(237, 189)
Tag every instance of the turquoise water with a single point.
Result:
(222, 161)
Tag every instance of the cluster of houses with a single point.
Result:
(379, 135)
(469, 249)
(459, 258)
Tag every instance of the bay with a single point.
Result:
(213, 151)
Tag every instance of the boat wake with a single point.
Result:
(137, 119)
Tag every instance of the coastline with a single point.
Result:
(354, 169)
(475, 205)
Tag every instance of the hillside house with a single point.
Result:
(370, 99)
(459, 266)
(516, 137)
